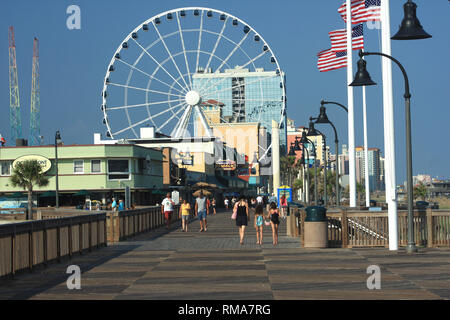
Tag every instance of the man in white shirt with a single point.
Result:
(259, 199)
(167, 209)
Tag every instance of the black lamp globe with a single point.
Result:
(297, 145)
(58, 139)
(362, 77)
(291, 151)
(304, 139)
(311, 130)
(323, 118)
(410, 29)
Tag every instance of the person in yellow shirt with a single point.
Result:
(185, 214)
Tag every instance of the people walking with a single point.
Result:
(121, 205)
(213, 205)
(227, 203)
(241, 207)
(259, 222)
(259, 199)
(233, 201)
(167, 209)
(185, 211)
(253, 203)
(114, 204)
(201, 210)
(284, 206)
(208, 205)
(273, 215)
(271, 199)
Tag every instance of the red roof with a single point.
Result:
(213, 102)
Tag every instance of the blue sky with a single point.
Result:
(73, 64)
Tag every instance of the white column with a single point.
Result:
(366, 149)
(388, 115)
(351, 121)
(275, 156)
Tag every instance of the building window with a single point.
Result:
(141, 166)
(5, 168)
(78, 166)
(96, 166)
(118, 170)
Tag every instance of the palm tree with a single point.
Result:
(26, 174)
(420, 191)
(289, 169)
(360, 190)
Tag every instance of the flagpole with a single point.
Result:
(366, 149)
(388, 115)
(351, 121)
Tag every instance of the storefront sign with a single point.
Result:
(45, 163)
(226, 164)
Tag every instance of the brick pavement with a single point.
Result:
(213, 265)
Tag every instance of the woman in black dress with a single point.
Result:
(242, 217)
(274, 217)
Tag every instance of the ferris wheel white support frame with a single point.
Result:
(182, 125)
(203, 120)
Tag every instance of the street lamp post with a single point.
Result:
(57, 141)
(362, 78)
(312, 131)
(303, 162)
(410, 29)
(323, 118)
(291, 154)
(304, 140)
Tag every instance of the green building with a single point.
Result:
(95, 172)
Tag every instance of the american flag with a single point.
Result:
(331, 60)
(362, 11)
(339, 38)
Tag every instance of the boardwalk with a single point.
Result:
(213, 265)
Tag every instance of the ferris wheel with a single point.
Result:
(186, 70)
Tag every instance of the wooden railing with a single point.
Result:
(124, 224)
(370, 229)
(28, 244)
(59, 233)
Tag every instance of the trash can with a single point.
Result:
(316, 227)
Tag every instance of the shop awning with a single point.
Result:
(82, 193)
(48, 194)
(214, 180)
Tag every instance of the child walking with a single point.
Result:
(274, 215)
(259, 222)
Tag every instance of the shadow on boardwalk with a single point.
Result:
(172, 264)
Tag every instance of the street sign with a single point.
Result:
(286, 191)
